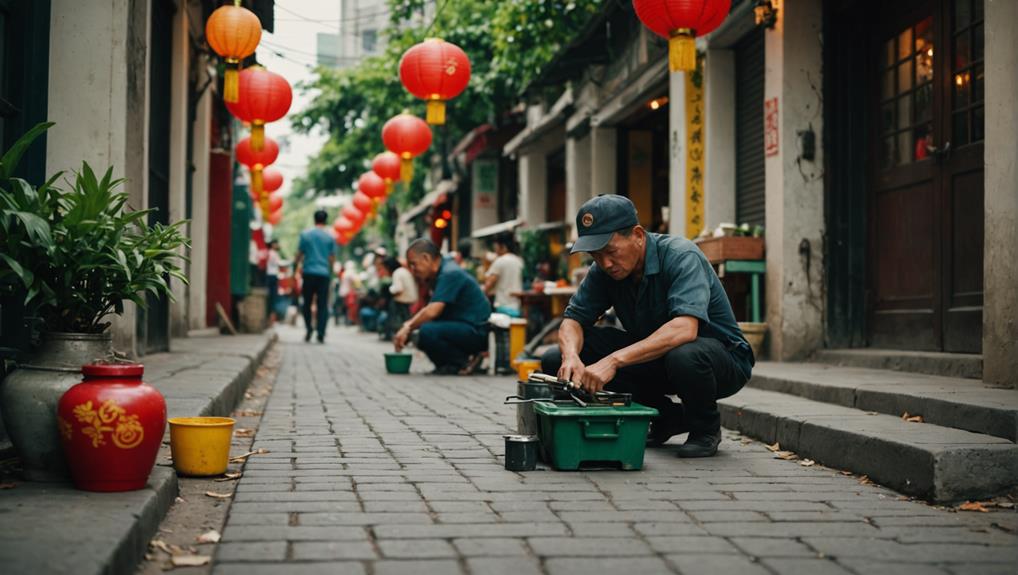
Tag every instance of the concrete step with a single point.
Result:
(966, 365)
(947, 401)
(920, 459)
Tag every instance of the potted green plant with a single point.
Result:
(79, 254)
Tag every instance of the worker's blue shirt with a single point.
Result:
(677, 280)
(318, 246)
(464, 301)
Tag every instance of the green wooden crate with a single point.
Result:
(574, 436)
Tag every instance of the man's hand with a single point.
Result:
(571, 369)
(400, 338)
(600, 374)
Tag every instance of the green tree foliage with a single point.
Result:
(508, 42)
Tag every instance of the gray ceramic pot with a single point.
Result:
(29, 396)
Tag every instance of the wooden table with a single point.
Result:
(756, 270)
(554, 300)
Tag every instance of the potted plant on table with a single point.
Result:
(80, 254)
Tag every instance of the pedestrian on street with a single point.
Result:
(404, 295)
(316, 254)
(272, 278)
(454, 324)
(505, 276)
(680, 334)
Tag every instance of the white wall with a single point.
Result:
(794, 187)
(719, 168)
(677, 152)
(98, 97)
(178, 157)
(1000, 306)
(579, 174)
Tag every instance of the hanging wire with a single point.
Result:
(434, 20)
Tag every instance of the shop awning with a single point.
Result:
(532, 134)
(496, 229)
(634, 95)
(436, 196)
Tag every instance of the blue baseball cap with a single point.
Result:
(599, 218)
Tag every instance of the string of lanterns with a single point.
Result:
(253, 95)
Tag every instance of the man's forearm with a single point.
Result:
(570, 335)
(671, 335)
(426, 314)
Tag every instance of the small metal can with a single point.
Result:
(521, 452)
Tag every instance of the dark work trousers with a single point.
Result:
(316, 287)
(699, 372)
(451, 343)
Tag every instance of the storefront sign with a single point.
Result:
(771, 127)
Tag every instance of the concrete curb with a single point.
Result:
(52, 528)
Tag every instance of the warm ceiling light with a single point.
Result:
(441, 224)
(657, 103)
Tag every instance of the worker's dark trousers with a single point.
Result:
(316, 287)
(699, 372)
(451, 343)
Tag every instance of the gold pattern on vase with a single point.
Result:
(65, 428)
(127, 434)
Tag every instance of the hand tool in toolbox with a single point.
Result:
(566, 389)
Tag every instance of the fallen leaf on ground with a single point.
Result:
(807, 463)
(179, 500)
(190, 560)
(243, 458)
(244, 432)
(845, 472)
(217, 495)
(167, 548)
(872, 413)
(786, 455)
(973, 506)
(8, 485)
(912, 418)
(774, 447)
(211, 536)
(246, 413)
(1005, 505)
(229, 477)
(865, 480)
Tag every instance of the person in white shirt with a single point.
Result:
(404, 295)
(505, 276)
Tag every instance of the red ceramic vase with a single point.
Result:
(111, 425)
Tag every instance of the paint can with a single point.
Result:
(526, 419)
(521, 452)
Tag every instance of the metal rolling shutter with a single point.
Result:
(749, 129)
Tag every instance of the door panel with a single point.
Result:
(926, 215)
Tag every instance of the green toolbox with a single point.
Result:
(593, 435)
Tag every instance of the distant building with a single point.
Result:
(327, 50)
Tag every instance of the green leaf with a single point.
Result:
(11, 158)
(26, 276)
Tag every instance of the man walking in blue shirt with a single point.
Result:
(680, 335)
(316, 255)
(454, 324)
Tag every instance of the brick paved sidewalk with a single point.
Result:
(372, 473)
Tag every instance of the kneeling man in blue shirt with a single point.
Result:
(454, 324)
(680, 334)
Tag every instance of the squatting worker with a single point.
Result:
(454, 324)
(680, 334)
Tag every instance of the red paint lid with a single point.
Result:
(113, 370)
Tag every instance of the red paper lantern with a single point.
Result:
(353, 214)
(257, 160)
(362, 202)
(263, 97)
(408, 137)
(342, 239)
(275, 203)
(111, 425)
(343, 226)
(680, 22)
(272, 179)
(435, 71)
(387, 166)
(233, 32)
(372, 185)
(276, 217)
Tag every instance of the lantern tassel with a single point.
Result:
(257, 180)
(682, 51)
(257, 136)
(436, 113)
(231, 83)
(406, 170)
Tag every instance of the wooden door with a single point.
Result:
(926, 206)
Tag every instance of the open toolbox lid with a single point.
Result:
(570, 409)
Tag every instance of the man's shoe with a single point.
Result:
(700, 444)
(307, 337)
(663, 429)
(473, 365)
(446, 370)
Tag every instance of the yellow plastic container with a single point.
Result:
(525, 367)
(201, 445)
(517, 339)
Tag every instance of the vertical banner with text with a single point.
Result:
(695, 150)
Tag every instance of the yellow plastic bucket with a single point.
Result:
(525, 367)
(517, 339)
(201, 445)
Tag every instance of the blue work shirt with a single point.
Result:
(677, 280)
(318, 246)
(464, 301)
